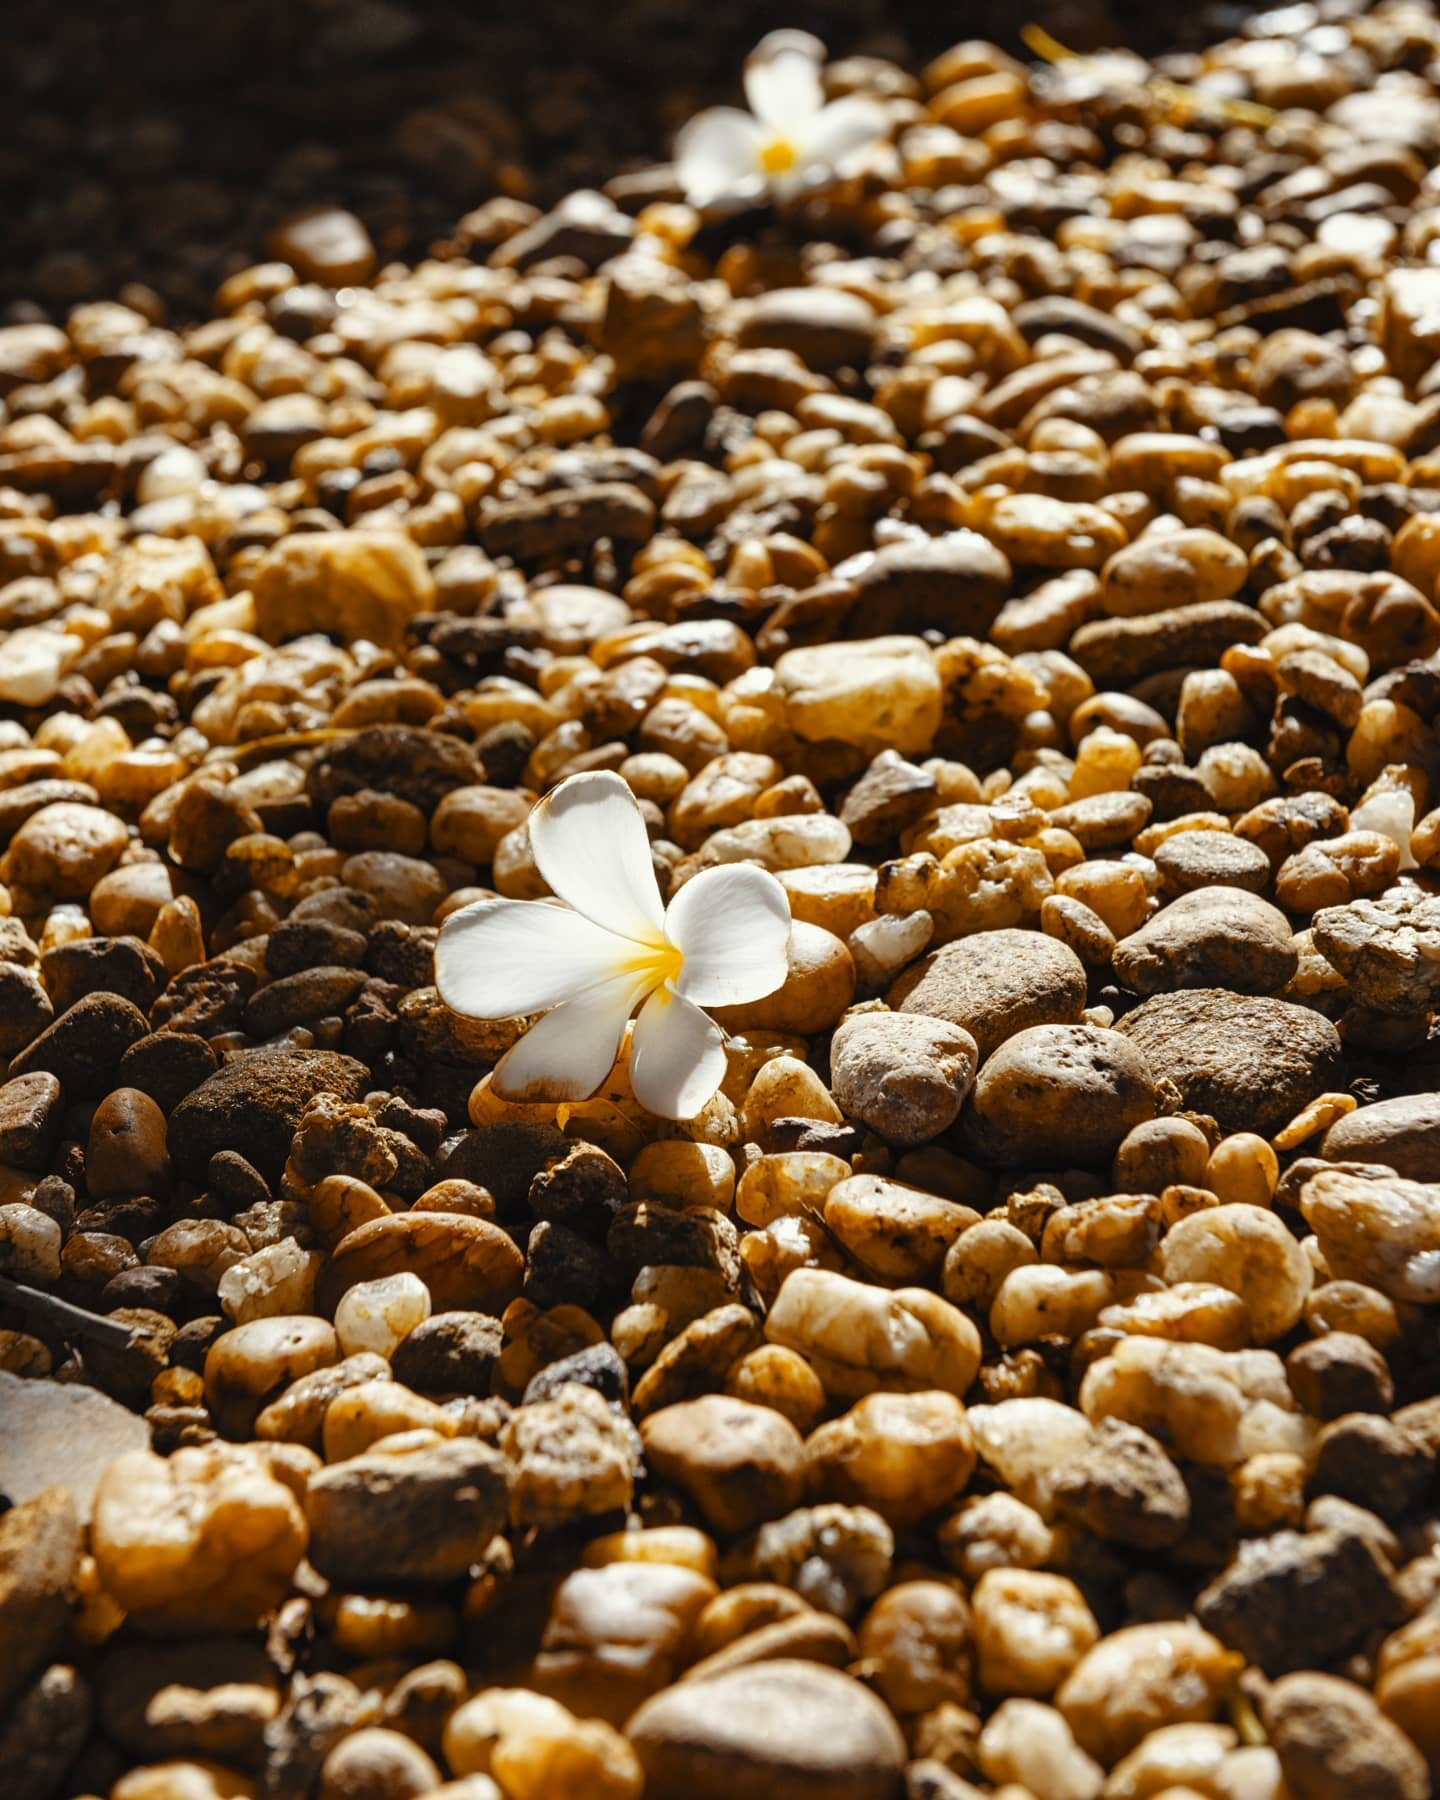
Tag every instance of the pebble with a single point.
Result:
(905, 1076)
(1251, 1063)
(406, 1513)
(1332, 1740)
(377, 1316)
(210, 1536)
(1097, 1087)
(996, 984)
(40, 1548)
(1403, 1133)
(786, 1726)
(1210, 937)
(59, 1435)
(741, 1464)
(256, 1102)
(461, 1261)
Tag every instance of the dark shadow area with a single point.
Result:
(161, 141)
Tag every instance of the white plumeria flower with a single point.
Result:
(721, 942)
(788, 141)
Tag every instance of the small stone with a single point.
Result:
(60, 1435)
(1191, 860)
(25, 1007)
(379, 1315)
(40, 1545)
(1125, 1488)
(206, 1697)
(1334, 1743)
(825, 327)
(741, 1464)
(376, 1761)
(325, 244)
(1251, 1063)
(422, 1514)
(891, 795)
(905, 1455)
(571, 1455)
(996, 984)
(256, 1101)
(902, 1074)
(167, 1065)
(618, 1633)
(928, 584)
(84, 1044)
(1385, 1233)
(881, 694)
(462, 1261)
(36, 662)
(30, 1118)
(789, 1730)
(1211, 937)
(45, 1733)
(861, 1339)
(1403, 1133)
(353, 584)
(61, 851)
(450, 1353)
(1388, 950)
(126, 1152)
(1294, 1598)
(209, 1538)
(112, 965)
(1248, 1250)
(1059, 1096)
(1340, 1373)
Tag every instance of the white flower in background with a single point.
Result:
(610, 947)
(788, 141)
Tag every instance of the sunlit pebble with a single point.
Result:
(172, 473)
(1391, 812)
(380, 1315)
(1356, 233)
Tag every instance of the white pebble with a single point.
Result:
(380, 1315)
(29, 1243)
(35, 663)
(882, 947)
(173, 472)
(278, 1280)
(1391, 812)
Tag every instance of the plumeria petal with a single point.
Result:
(717, 157)
(590, 844)
(733, 926)
(571, 1051)
(832, 140)
(500, 958)
(677, 1056)
(782, 79)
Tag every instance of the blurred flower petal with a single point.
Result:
(782, 79)
(717, 157)
(835, 136)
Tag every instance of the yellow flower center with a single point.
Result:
(778, 156)
(661, 961)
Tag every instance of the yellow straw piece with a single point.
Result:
(1171, 93)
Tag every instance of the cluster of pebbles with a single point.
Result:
(1023, 1377)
